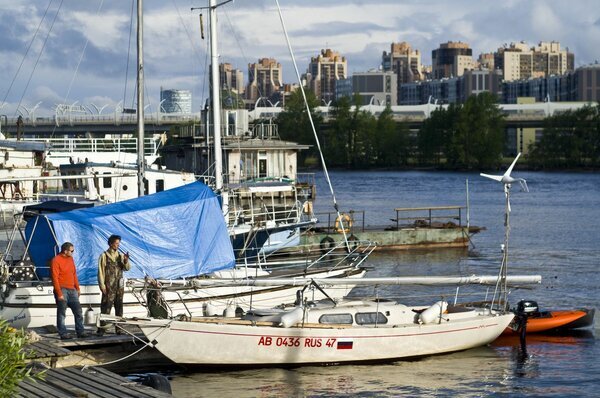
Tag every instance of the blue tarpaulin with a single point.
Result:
(177, 233)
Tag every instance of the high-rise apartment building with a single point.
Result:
(231, 79)
(403, 61)
(323, 72)
(519, 61)
(451, 59)
(264, 78)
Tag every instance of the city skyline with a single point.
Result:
(175, 56)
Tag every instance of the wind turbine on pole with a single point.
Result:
(507, 180)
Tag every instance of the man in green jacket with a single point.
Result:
(111, 264)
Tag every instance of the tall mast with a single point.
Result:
(140, 98)
(216, 95)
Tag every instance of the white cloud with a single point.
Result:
(175, 56)
(103, 29)
(545, 22)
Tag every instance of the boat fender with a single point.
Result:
(352, 242)
(326, 244)
(229, 311)
(291, 318)
(90, 316)
(158, 382)
(209, 309)
(433, 313)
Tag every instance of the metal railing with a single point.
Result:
(262, 214)
(309, 256)
(351, 221)
(429, 216)
(151, 145)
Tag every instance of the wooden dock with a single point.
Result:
(84, 382)
(111, 350)
(45, 351)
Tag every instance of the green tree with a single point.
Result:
(294, 124)
(339, 142)
(479, 136)
(392, 141)
(436, 140)
(13, 367)
(571, 139)
(353, 130)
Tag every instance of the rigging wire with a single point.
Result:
(38, 57)
(25, 55)
(76, 67)
(312, 124)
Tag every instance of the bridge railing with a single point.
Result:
(71, 145)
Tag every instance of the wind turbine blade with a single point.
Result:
(523, 184)
(493, 177)
(512, 165)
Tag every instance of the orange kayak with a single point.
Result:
(547, 321)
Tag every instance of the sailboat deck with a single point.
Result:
(237, 321)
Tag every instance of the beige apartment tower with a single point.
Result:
(403, 61)
(519, 61)
(323, 71)
(231, 79)
(264, 79)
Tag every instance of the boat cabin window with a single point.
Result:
(107, 182)
(370, 318)
(74, 184)
(343, 319)
(160, 185)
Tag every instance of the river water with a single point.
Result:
(555, 232)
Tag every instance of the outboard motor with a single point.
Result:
(524, 310)
(527, 307)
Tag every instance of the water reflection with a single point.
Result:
(469, 372)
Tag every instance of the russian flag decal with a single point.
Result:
(344, 345)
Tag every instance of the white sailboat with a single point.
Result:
(344, 332)
(328, 331)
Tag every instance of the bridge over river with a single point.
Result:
(517, 115)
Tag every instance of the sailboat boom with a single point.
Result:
(408, 280)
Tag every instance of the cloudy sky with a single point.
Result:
(63, 51)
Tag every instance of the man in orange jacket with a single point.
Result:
(66, 291)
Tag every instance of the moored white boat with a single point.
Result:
(347, 332)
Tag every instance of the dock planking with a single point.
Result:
(45, 350)
(89, 382)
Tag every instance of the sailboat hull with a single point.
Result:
(226, 343)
